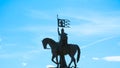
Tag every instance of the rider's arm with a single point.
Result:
(58, 31)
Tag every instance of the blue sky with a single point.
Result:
(95, 27)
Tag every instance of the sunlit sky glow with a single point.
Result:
(95, 27)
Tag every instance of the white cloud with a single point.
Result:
(30, 54)
(108, 58)
(96, 29)
(10, 55)
(95, 58)
(38, 14)
(24, 54)
(100, 23)
(39, 28)
(50, 66)
(24, 64)
(98, 41)
(112, 58)
(97, 23)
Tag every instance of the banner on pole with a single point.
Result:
(63, 23)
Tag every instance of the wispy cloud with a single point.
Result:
(40, 14)
(112, 58)
(96, 29)
(108, 58)
(50, 66)
(96, 42)
(97, 23)
(24, 55)
(24, 64)
(12, 55)
(95, 58)
(38, 28)
(30, 54)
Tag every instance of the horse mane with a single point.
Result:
(49, 39)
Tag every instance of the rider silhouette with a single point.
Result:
(63, 37)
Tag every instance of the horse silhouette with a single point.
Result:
(56, 50)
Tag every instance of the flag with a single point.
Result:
(63, 23)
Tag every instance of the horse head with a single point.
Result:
(44, 43)
(49, 41)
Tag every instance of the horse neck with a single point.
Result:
(52, 44)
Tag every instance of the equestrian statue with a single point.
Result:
(62, 47)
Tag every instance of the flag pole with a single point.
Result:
(57, 21)
(58, 27)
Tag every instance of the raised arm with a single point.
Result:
(58, 31)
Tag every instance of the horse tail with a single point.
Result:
(78, 55)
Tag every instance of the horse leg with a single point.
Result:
(70, 61)
(53, 59)
(57, 62)
(74, 62)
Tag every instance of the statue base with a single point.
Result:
(62, 62)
